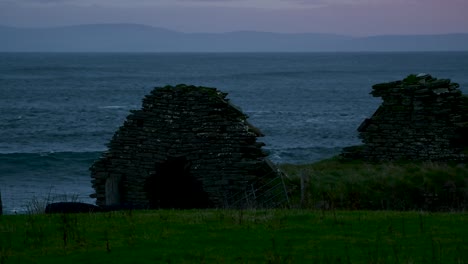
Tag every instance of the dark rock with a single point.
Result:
(71, 207)
(442, 83)
(421, 118)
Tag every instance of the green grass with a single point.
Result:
(320, 232)
(220, 236)
(358, 185)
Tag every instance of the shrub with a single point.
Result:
(381, 186)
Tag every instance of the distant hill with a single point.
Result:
(140, 38)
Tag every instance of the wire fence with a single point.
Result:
(268, 191)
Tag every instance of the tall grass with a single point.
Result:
(357, 185)
(1, 203)
(224, 236)
(38, 205)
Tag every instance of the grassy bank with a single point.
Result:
(320, 232)
(357, 185)
(220, 236)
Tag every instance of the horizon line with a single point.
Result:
(230, 32)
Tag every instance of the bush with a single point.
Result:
(360, 185)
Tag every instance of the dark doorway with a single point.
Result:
(173, 186)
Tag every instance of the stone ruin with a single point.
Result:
(421, 118)
(188, 147)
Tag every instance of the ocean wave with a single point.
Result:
(300, 155)
(50, 155)
(115, 107)
(28, 176)
(280, 112)
(38, 163)
(267, 74)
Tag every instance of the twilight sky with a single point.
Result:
(348, 17)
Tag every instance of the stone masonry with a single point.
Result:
(188, 147)
(421, 118)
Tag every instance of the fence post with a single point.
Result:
(304, 190)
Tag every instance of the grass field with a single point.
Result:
(340, 212)
(222, 236)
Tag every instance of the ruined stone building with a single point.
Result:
(188, 147)
(420, 118)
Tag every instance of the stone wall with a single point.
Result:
(188, 147)
(420, 118)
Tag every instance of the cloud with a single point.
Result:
(264, 4)
(261, 4)
(228, 3)
(374, 2)
(355, 2)
(36, 2)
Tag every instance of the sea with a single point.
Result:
(58, 110)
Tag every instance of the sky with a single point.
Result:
(344, 17)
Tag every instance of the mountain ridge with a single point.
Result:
(143, 38)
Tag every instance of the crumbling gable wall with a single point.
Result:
(188, 147)
(420, 118)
